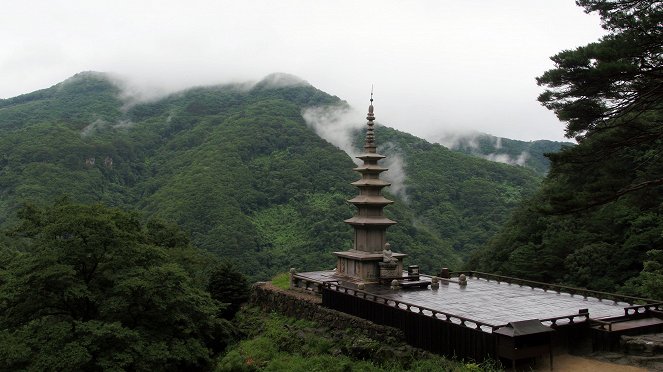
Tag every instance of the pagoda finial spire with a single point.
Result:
(369, 144)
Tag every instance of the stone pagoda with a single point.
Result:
(370, 258)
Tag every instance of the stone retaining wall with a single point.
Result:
(308, 306)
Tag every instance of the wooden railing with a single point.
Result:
(418, 309)
(559, 288)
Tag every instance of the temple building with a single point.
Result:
(470, 314)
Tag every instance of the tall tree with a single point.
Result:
(228, 286)
(610, 94)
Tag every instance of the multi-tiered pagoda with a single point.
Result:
(370, 249)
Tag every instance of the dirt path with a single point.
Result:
(572, 363)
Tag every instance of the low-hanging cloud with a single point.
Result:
(281, 80)
(459, 139)
(396, 171)
(100, 124)
(508, 159)
(335, 124)
(179, 46)
(93, 127)
(339, 124)
(470, 141)
(134, 91)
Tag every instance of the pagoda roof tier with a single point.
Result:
(370, 199)
(370, 155)
(367, 168)
(370, 221)
(371, 182)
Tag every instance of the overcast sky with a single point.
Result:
(437, 65)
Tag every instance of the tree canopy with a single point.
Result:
(610, 94)
(93, 288)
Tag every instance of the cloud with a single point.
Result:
(93, 127)
(458, 139)
(281, 80)
(100, 124)
(396, 173)
(133, 92)
(339, 125)
(123, 124)
(137, 91)
(507, 159)
(498, 143)
(469, 141)
(340, 47)
(336, 124)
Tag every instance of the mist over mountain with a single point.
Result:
(530, 154)
(253, 172)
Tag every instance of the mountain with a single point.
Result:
(530, 154)
(463, 199)
(240, 170)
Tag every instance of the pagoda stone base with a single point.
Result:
(390, 270)
(365, 267)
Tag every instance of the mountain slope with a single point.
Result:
(503, 150)
(464, 200)
(240, 170)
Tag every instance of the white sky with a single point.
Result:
(437, 65)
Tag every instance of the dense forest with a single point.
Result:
(597, 220)
(94, 288)
(239, 169)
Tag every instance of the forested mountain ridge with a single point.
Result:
(239, 169)
(530, 154)
(463, 199)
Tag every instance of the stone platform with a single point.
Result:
(488, 301)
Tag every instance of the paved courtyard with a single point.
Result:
(492, 302)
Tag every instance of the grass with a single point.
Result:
(278, 343)
(281, 280)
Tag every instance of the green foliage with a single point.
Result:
(595, 86)
(609, 94)
(649, 283)
(229, 287)
(277, 343)
(79, 101)
(530, 154)
(598, 249)
(281, 280)
(461, 201)
(242, 173)
(94, 290)
(600, 209)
